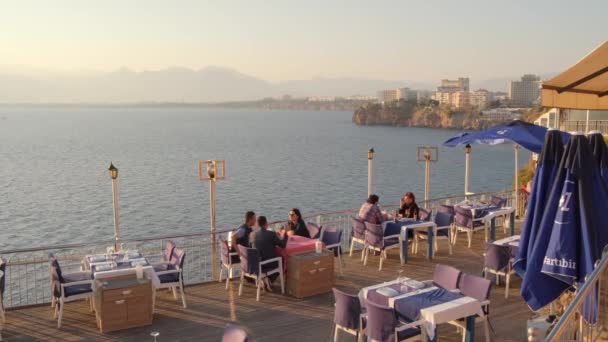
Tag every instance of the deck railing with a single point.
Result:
(581, 126)
(587, 315)
(28, 278)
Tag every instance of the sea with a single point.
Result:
(55, 187)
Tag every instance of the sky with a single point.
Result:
(286, 40)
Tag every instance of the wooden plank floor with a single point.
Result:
(275, 317)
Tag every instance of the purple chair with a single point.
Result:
(172, 275)
(68, 287)
(314, 230)
(358, 235)
(478, 288)
(497, 260)
(498, 201)
(348, 315)
(446, 208)
(465, 222)
(230, 260)
(332, 238)
(165, 257)
(168, 252)
(252, 267)
(376, 241)
(444, 225)
(2, 286)
(425, 215)
(446, 277)
(234, 333)
(383, 325)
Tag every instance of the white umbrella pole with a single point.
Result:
(516, 149)
(115, 205)
(467, 165)
(587, 123)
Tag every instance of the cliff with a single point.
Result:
(410, 115)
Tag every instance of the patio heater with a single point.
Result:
(212, 171)
(467, 165)
(427, 154)
(370, 171)
(114, 175)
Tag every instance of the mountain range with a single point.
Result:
(210, 84)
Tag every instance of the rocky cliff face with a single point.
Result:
(408, 115)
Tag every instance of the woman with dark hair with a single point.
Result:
(370, 211)
(409, 208)
(296, 225)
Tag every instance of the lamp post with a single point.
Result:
(427, 154)
(467, 151)
(370, 171)
(114, 175)
(215, 170)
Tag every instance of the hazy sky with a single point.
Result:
(280, 40)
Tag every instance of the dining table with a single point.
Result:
(406, 229)
(414, 301)
(295, 245)
(488, 213)
(103, 266)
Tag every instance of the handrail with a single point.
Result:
(590, 285)
(221, 231)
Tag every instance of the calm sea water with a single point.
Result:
(55, 186)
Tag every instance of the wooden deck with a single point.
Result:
(275, 317)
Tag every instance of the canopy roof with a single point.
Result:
(583, 86)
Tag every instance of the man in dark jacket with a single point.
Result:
(266, 241)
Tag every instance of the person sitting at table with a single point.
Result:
(370, 211)
(409, 208)
(296, 225)
(266, 241)
(241, 236)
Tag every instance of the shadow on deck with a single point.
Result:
(275, 317)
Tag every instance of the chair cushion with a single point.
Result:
(78, 276)
(166, 278)
(391, 241)
(408, 333)
(77, 289)
(169, 278)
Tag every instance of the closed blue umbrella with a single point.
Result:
(528, 135)
(544, 177)
(568, 238)
(600, 153)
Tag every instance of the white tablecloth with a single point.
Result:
(511, 241)
(449, 311)
(148, 271)
(438, 314)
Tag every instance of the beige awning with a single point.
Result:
(582, 86)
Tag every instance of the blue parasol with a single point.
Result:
(544, 177)
(528, 135)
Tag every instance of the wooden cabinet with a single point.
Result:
(123, 303)
(309, 274)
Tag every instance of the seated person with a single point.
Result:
(296, 225)
(241, 236)
(409, 208)
(265, 241)
(370, 211)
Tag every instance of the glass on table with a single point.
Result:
(154, 334)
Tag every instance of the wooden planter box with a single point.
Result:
(309, 274)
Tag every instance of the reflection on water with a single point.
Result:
(55, 186)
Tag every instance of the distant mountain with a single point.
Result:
(210, 84)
